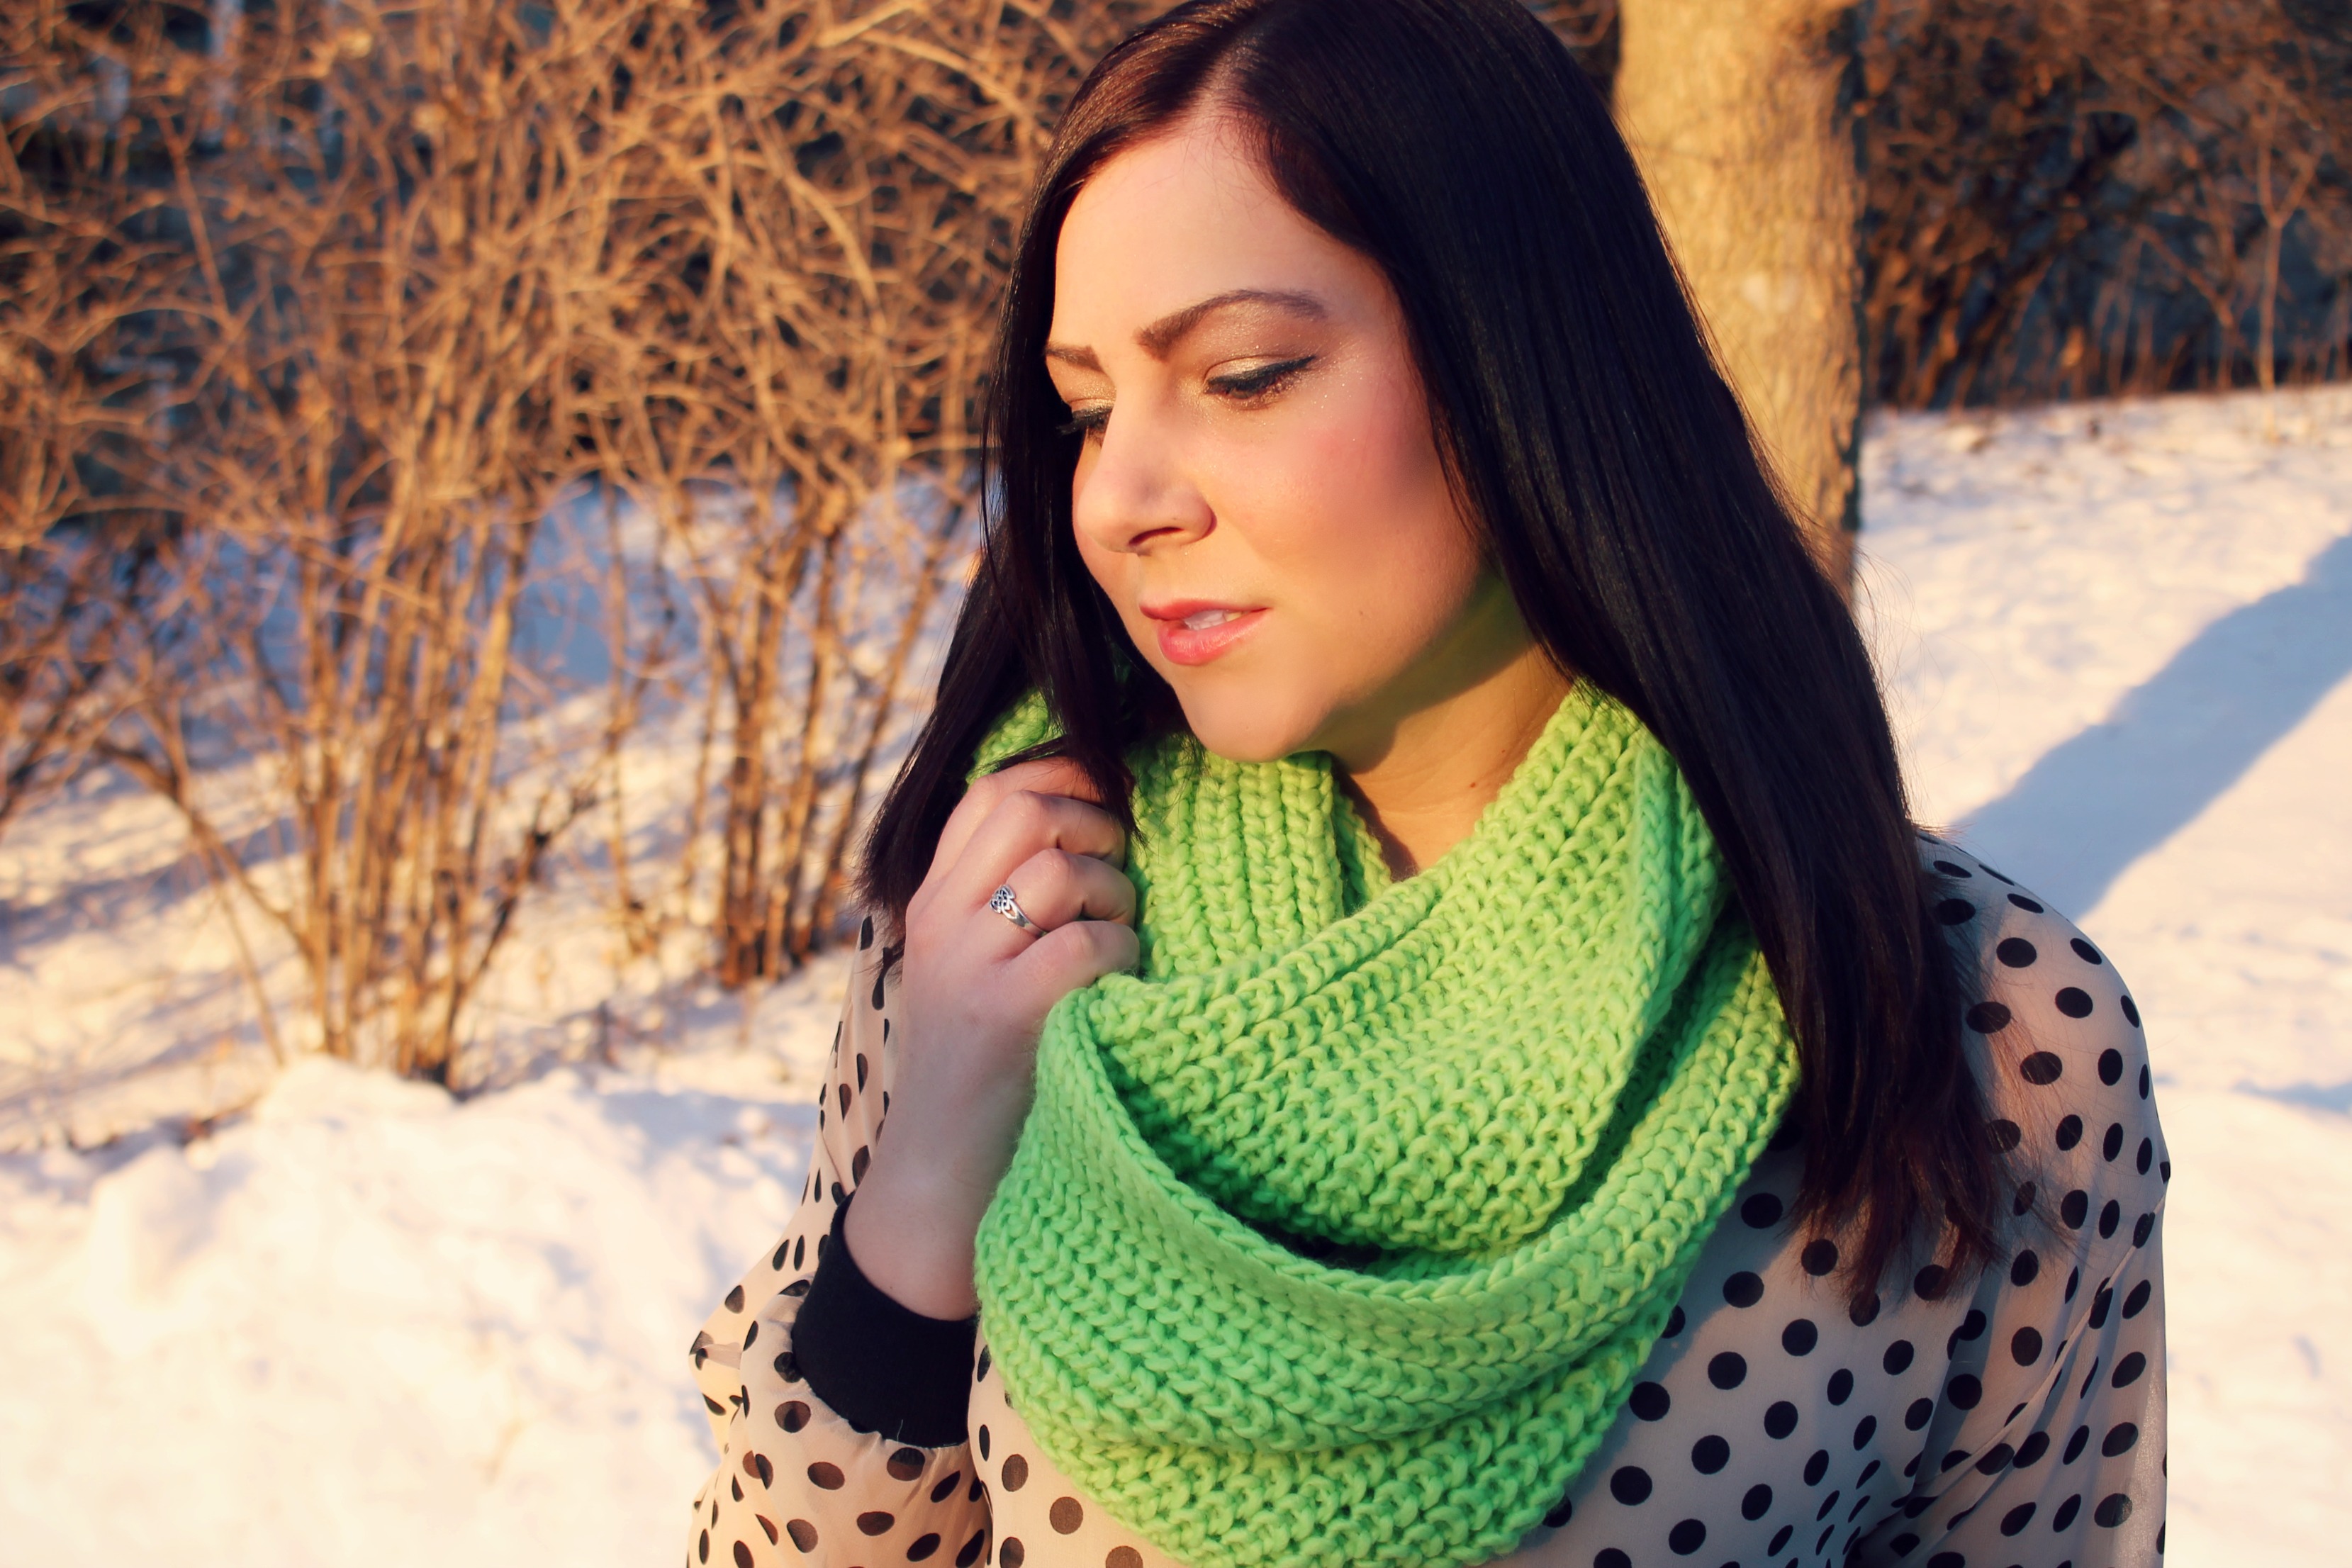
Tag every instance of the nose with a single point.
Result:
(1131, 493)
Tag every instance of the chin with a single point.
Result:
(1245, 727)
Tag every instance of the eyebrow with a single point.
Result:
(1160, 337)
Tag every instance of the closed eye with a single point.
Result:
(1259, 381)
(1087, 422)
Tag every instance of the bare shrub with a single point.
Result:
(389, 283)
(2075, 199)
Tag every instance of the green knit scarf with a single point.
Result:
(1338, 1234)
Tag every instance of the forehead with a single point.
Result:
(1183, 217)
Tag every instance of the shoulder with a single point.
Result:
(2056, 1039)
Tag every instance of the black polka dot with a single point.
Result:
(2128, 1369)
(2074, 1002)
(1950, 869)
(2023, 1204)
(2065, 1515)
(2111, 1066)
(2119, 1439)
(1863, 1312)
(1930, 1282)
(2112, 1144)
(2002, 1134)
(1010, 1554)
(1562, 1511)
(1863, 1431)
(2029, 1452)
(1987, 1017)
(1996, 1459)
(1710, 1453)
(1610, 1557)
(2025, 1346)
(1946, 1560)
(1743, 1289)
(2016, 951)
(2074, 1208)
(1629, 1484)
(2110, 1216)
(1820, 1257)
(1762, 1211)
(1686, 1536)
(2023, 902)
(2112, 1509)
(1918, 1414)
(1995, 875)
(2084, 951)
(1964, 1391)
(1673, 1321)
(2147, 1154)
(2137, 1301)
(947, 1486)
(1897, 1357)
(1650, 1401)
(1954, 912)
(2074, 1446)
(2041, 1068)
(1799, 1337)
(2131, 1015)
(1757, 1504)
(1779, 1419)
(2024, 1267)
(1840, 1387)
(1817, 1467)
(1728, 1371)
(2070, 1131)
(1780, 1538)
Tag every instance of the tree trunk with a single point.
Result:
(1734, 114)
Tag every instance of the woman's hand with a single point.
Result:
(974, 992)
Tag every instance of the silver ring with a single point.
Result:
(1006, 904)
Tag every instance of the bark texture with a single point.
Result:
(1734, 112)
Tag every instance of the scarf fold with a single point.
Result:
(1337, 1233)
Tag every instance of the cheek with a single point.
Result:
(1367, 534)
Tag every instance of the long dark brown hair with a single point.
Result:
(1606, 461)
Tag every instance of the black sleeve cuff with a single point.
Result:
(878, 1364)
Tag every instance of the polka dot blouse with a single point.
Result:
(2012, 1420)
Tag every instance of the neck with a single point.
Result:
(1421, 780)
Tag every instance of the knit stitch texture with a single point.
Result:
(1337, 1233)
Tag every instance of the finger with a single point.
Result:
(1049, 775)
(1055, 887)
(1024, 823)
(1076, 955)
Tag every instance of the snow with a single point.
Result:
(2119, 640)
(314, 1316)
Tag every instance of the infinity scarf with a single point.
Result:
(1337, 1233)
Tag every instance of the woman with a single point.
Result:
(1405, 1020)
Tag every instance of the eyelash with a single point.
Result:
(1243, 387)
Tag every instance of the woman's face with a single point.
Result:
(1260, 493)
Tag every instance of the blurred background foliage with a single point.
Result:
(346, 345)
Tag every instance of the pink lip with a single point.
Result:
(1179, 644)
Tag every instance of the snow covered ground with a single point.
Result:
(362, 1323)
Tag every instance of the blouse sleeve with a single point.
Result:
(2047, 1443)
(798, 1481)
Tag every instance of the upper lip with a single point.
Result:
(1176, 609)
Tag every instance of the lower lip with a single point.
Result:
(1179, 644)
